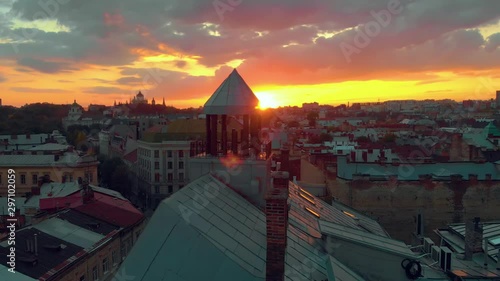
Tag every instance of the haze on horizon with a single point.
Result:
(288, 51)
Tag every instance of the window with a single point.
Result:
(105, 266)
(34, 179)
(157, 165)
(95, 273)
(170, 165)
(114, 258)
(181, 153)
(170, 188)
(181, 165)
(157, 154)
(0, 179)
(169, 153)
(157, 177)
(181, 176)
(170, 177)
(157, 189)
(23, 179)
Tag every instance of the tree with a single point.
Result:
(325, 137)
(293, 124)
(312, 117)
(362, 139)
(389, 138)
(107, 168)
(120, 181)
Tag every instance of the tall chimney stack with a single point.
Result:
(285, 158)
(277, 225)
(473, 238)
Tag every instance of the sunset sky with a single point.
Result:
(288, 51)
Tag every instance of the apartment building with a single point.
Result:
(60, 167)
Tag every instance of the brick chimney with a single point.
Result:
(277, 224)
(285, 159)
(87, 192)
(473, 178)
(473, 237)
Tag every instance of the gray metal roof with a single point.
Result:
(14, 276)
(206, 231)
(412, 171)
(455, 236)
(195, 236)
(367, 239)
(336, 213)
(339, 272)
(69, 232)
(39, 160)
(232, 97)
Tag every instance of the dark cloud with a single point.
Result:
(103, 90)
(37, 90)
(129, 80)
(425, 36)
(45, 66)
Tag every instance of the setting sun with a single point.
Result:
(267, 100)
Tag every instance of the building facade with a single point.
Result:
(161, 169)
(60, 168)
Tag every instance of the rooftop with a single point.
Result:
(53, 250)
(232, 232)
(68, 159)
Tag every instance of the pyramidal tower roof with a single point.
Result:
(491, 129)
(233, 97)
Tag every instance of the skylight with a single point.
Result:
(495, 241)
(307, 199)
(349, 214)
(312, 211)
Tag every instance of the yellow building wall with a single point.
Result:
(56, 174)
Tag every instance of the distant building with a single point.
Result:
(77, 116)
(310, 106)
(139, 99)
(58, 162)
(498, 99)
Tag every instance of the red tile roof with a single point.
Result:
(131, 156)
(110, 209)
(107, 208)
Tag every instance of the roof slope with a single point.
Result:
(220, 235)
(233, 97)
(208, 226)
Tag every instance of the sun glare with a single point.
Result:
(267, 100)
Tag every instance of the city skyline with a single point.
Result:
(383, 51)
